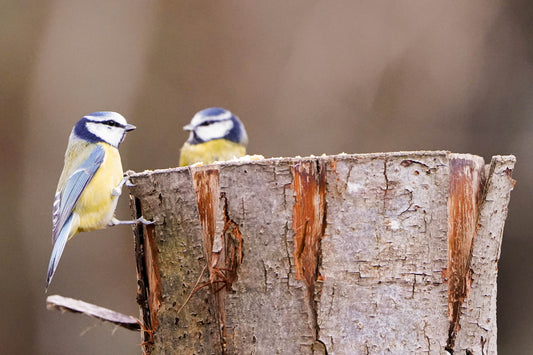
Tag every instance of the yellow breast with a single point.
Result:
(209, 152)
(96, 205)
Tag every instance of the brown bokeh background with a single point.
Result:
(306, 77)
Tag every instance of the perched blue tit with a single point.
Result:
(91, 181)
(216, 134)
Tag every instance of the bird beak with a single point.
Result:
(129, 127)
(188, 127)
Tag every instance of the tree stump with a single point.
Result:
(346, 254)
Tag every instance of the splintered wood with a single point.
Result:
(347, 254)
(466, 187)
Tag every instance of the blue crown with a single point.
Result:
(213, 111)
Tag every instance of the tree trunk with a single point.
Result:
(346, 254)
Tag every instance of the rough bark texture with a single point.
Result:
(347, 254)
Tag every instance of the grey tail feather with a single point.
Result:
(49, 276)
(57, 251)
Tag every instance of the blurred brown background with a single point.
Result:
(306, 77)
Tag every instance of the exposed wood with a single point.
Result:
(466, 188)
(146, 289)
(347, 254)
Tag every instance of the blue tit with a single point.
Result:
(91, 181)
(216, 134)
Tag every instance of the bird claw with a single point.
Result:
(127, 176)
(144, 221)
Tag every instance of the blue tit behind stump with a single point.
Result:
(216, 135)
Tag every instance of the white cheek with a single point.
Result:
(115, 136)
(214, 131)
(108, 134)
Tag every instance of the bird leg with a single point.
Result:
(116, 222)
(117, 191)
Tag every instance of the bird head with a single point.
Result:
(103, 126)
(216, 123)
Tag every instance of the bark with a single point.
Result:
(347, 254)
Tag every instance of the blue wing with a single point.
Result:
(64, 203)
(66, 199)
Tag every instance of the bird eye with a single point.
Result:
(205, 123)
(112, 123)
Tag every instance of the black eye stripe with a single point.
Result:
(112, 123)
(208, 122)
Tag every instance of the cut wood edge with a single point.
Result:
(215, 165)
